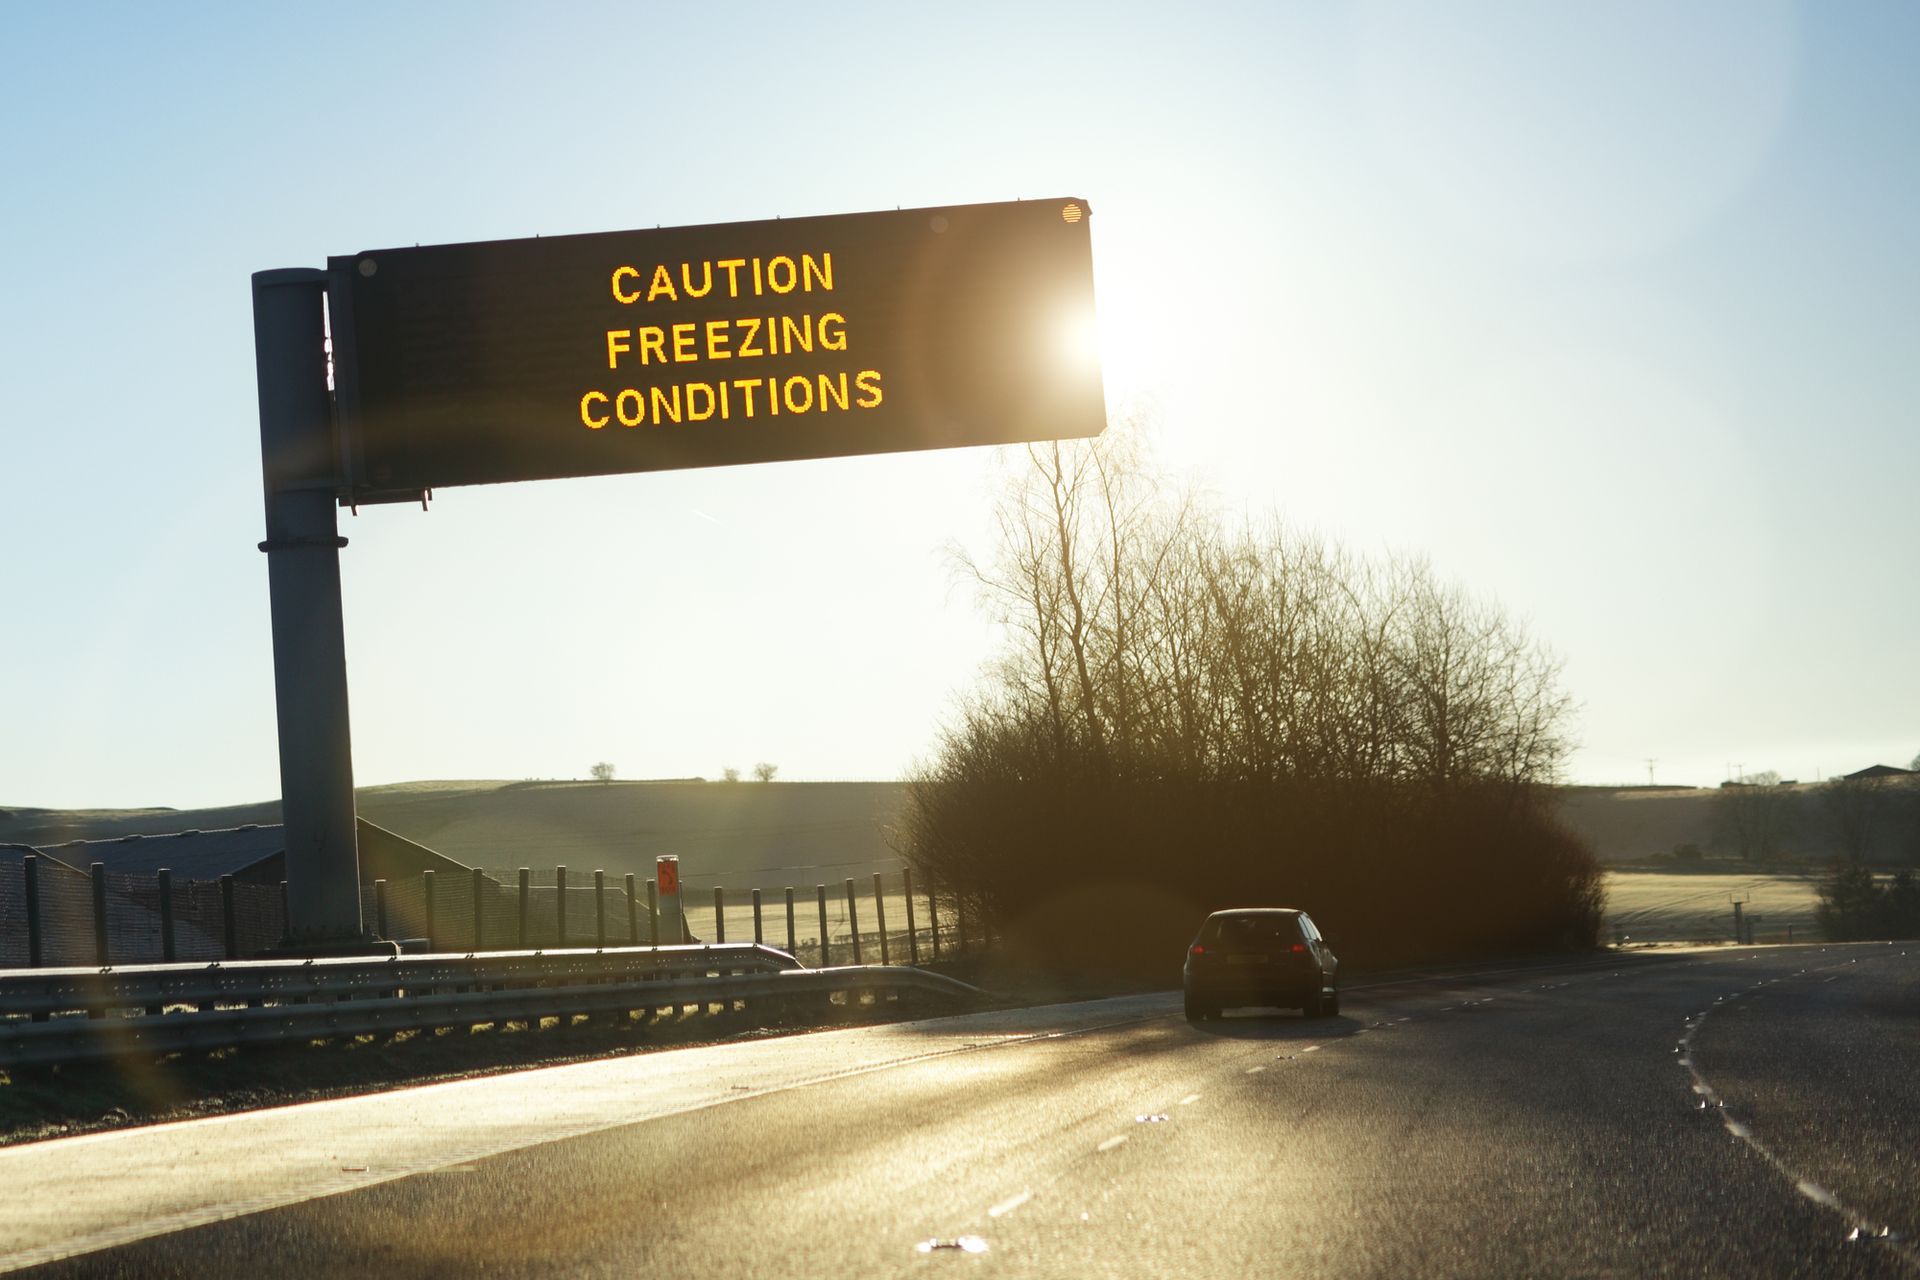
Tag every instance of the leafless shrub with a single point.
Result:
(1202, 715)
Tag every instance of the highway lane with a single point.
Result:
(1540, 1123)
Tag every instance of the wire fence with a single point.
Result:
(54, 915)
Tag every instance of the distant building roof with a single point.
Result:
(253, 851)
(192, 855)
(1878, 771)
(15, 852)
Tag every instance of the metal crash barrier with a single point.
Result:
(64, 1015)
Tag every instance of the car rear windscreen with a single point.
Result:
(1229, 932)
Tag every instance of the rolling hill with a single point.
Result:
(751, 834)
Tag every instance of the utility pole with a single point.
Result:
(1650, 763)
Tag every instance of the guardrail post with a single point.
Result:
(790, 920)
(479, 909)
(97, 874)
(821, 892)
(380, 908)
(757, 939)
(633, 913)
(526, 894)
(163, 881)
(719, 914)
(426, 894)
(560, 896)
(229, 927)
(30, 872)
(653, 913)
(913, 934)
(933, 920)
(853, 921)
(600, 908)
(880, 918)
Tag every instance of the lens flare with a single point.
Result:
(1078, 334)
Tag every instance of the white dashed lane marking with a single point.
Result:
(1009, 1204)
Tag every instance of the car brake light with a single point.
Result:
(1197, 950)
(1299, 948)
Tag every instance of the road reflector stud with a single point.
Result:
(959, 1244)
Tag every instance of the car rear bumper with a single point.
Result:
(1232, 990)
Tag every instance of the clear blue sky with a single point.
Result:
(1611, 310)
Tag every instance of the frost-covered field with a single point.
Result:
(1656, 906)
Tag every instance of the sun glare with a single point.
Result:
(1079, 339)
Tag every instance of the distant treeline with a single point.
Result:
(1862, 818)
(1188, 716)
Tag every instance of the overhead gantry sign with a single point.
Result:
(622, 352)
(708, 346)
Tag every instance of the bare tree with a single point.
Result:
(730, 774)
(1143, 634)
(1755, 814)
(1855, 810)
(603, 771)
(764, 771)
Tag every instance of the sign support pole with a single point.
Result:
(298, 470)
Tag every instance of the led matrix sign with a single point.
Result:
(707, 346)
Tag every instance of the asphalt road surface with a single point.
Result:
(1739, 1113)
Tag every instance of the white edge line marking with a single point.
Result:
(1189, 1100)
(1009, 1204)
(1254, 1071)
(1805, 1186)
(1817, 1193)
(1112, 1142)
(1312, 1048)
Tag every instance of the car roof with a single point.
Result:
(1258, 911)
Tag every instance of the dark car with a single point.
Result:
(1261, 956)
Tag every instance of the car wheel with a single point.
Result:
(1315, 1007)
(1196, 1012)
(1331, 1004)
